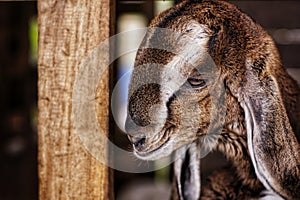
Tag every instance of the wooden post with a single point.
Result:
(68, 31)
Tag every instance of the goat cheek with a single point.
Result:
(204, 116)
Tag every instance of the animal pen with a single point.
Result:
(70, 33)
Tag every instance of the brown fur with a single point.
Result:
(234, 38)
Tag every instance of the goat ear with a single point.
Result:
(187, 173)
(273, 145)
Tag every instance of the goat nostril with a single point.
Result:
(139, 142)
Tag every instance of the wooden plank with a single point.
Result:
(68, 32)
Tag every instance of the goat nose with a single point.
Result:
(137, 141)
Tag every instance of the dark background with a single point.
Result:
(18, 86)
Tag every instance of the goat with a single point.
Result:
(229, 80)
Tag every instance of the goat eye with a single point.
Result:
(196, 83)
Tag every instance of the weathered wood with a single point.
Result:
(68, 32)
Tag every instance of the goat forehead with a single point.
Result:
(166, 56)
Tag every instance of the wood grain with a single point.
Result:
(68, 31)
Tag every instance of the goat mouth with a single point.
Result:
(163, 141)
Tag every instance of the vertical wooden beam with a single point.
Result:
(68, 32)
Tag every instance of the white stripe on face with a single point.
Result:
(191, 51)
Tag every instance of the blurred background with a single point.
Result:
(18, 89)
(18, 101)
